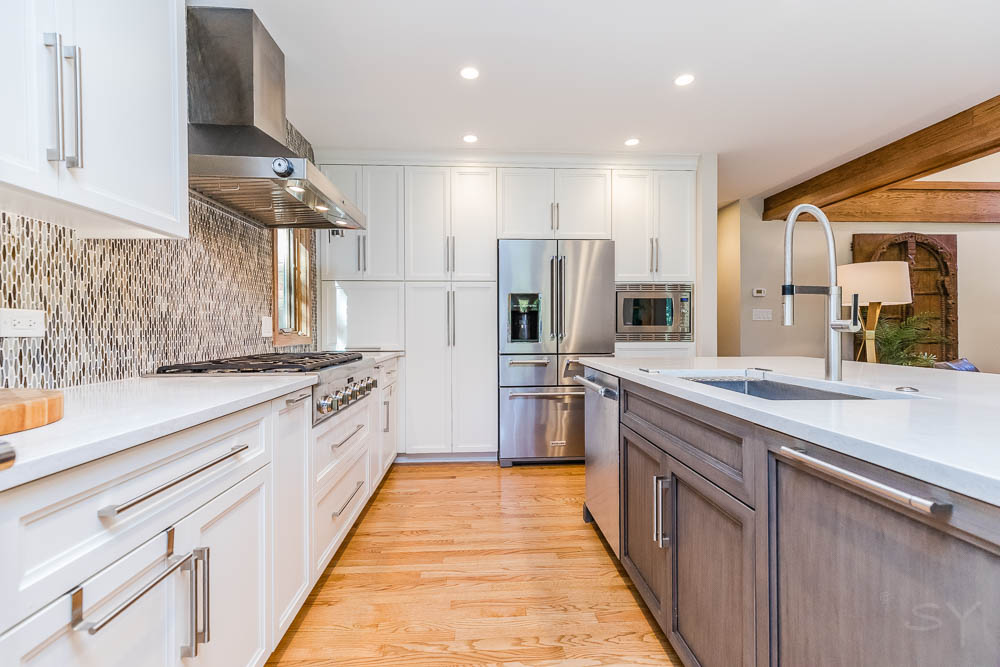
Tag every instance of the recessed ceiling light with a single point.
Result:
(632, 142)
(295, 188)
(320, 207)
(470, 138)
(469, 73)
(684, 79)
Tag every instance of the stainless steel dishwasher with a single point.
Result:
(601, 453)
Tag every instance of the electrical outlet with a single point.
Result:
(20, 323)
(762, 314)
(266, 327)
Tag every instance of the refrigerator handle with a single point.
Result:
(553, 290)
(562, 297)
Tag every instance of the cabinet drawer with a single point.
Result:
(338, 506)
(715, 445)
(388, 372)
(61, 529)
(337, 438)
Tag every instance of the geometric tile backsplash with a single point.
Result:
(119, 308)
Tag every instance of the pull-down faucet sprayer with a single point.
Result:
(834, 360)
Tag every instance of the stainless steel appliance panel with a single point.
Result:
(526, 275)
(531, 370)
(569, 367)
(601, 453)
(586, 320)
(541, 423)
(654, 311)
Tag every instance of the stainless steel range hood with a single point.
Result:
(236, 128)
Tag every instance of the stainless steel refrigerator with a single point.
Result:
(556, 304)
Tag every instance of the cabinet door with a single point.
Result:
(134, 153)
(887, 586)
(235, 586)
(361, 315)
(583, 203)
(428, 368)
(382, 247)
(428, 223)
(674, 196)
(143, 635)
(711, 541)
(526, 202)
(387, 427)
(29, 117)
(474, 368)
(474, 223)
(632, 215)
(340, 256)
(291, 524)
(645, 551)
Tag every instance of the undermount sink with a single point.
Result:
(775, 391)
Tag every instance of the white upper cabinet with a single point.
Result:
(428, 223)
(674, 200)
(654, 225)
(583, 203)
(555, 203)
(473, 223)
(361, 315)
(527, 203)
(120, 166)
(633, 224)
(383, 208)
(375, 253)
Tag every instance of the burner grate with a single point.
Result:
(274, 362)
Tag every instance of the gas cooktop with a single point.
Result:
(274, 362)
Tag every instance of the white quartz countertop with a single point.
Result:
(101, 419)
(949, 437)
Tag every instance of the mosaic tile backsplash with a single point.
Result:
(120, 308)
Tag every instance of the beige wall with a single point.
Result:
(761, 251)
(729, 281)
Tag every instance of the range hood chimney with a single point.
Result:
(236, 128)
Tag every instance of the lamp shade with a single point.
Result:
(885, 282)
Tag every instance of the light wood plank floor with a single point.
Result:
(470, 564)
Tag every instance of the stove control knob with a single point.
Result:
(356, 391)
(341, 399)
(326, 404)
(372, 383)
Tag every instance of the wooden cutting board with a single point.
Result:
(21, 409)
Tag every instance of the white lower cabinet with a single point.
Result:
(338, 504)
(361, 315)
(451, 355)
(233, 531)
(292, 507)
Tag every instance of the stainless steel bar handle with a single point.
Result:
(656, 511)
(73, 53)
(553, 289)
(297, 399)
(914, 502)
(349, 436)
(657, 255)
(191, 650)
(451, 294)
(93, 628)
(364, 349)
(343, 507)
(447, 254)
(57, 154)
(528, 362)
(201, 554)
(562, 296)
(545, 394)
(115, 510)
(453, 254)
(364, 252)
(663, 483)
(552, 216)
(7, 455)
(651, 251)
(359, 252)
(557, 216)
(386, 428)
(603, 392)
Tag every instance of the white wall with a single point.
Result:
(729, 281)
(761, 250)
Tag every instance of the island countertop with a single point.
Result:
(947, 435)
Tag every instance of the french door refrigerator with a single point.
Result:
(556, 303)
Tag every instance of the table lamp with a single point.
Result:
(877, 284)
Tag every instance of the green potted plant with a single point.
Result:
(896, 340)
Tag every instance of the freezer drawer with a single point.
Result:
(541, 423)
(528, 370)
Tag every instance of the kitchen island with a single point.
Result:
(861, 530)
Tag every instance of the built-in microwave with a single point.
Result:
(654, 312)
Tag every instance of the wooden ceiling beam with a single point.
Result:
(961, 138)
(918, 205)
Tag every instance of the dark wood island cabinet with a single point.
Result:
(751, 547)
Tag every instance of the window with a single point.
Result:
(292, 293)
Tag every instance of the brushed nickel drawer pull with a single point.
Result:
(73, 53)
(349, 436)
(348, 502)
(913, 502)
(115, 510)
(528, 362)
(386, 404)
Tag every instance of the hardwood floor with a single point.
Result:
(471, 564)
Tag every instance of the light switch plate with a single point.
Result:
(20, 323)
(266, 327)
(762, 314)
(760, 291)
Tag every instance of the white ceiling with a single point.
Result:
(785, 88)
